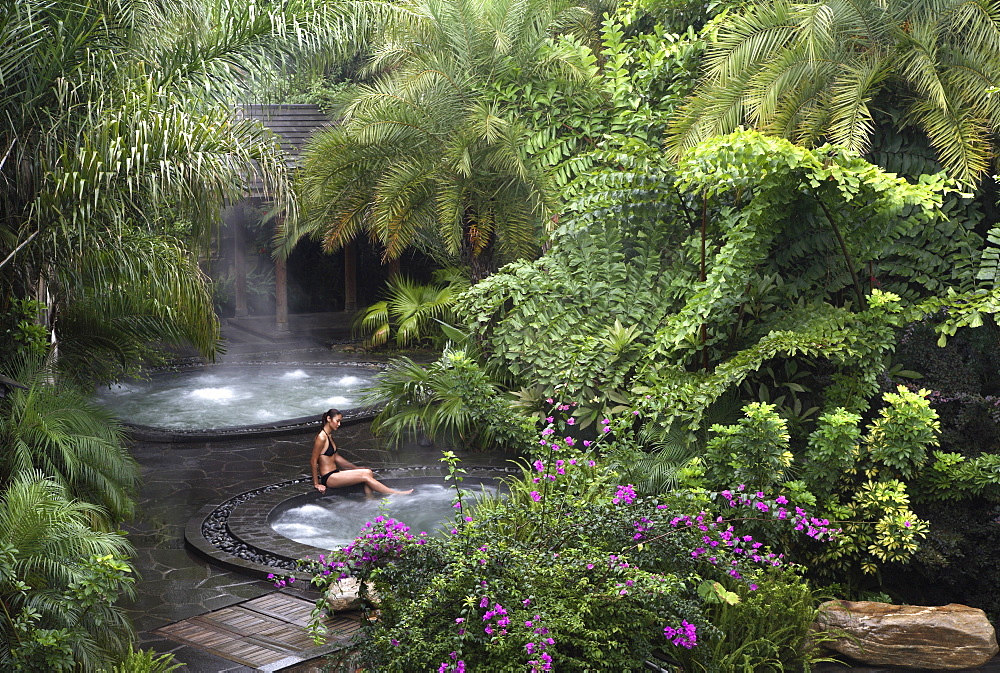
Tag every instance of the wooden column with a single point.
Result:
(350, 277)
(280, 294)
(233, 217)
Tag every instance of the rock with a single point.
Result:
(343, 595)
(947, 637)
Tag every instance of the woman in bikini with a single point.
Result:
(331, 470)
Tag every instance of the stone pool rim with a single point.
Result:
(248, 522)
(148, 433)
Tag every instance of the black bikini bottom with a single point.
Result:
(324, 477)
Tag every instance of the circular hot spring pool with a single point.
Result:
(234, 395)
(333, 521)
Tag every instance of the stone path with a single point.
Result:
(179, 480)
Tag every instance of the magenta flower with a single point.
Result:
(685, 636)
(625, 494)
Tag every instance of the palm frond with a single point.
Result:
(810, 72)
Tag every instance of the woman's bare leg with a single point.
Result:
(361, 476)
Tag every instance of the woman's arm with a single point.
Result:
(314, 463)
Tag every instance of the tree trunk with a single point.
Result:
(351, 277)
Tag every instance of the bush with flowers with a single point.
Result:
(574, 571)
(868, 477)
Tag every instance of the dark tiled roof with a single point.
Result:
(6, 385)
(294, 124)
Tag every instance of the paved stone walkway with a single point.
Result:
(179, 480)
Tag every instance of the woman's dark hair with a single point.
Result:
(331, 413)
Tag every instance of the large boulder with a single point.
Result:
(343, 596)
(944, 638)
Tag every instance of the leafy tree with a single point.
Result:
(58, 582)
(638, 76)
(428, 156)
(821, 71)
(115, 113)
(751, 250)
(55, 429)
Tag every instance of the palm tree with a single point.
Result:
(58, 582)
(826, 70)
(412, 312)
(427, 156)
(55, 429)
(114, 113)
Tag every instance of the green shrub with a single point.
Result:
(577, 571)
(453, 400)
(411, 313)
(145, 661)
(765, 631)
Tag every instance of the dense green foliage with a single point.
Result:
(427, 156)
(412, 313)
(59, 579)
(54, 428)
(824, 71)
(629, 299)
(454, 398)
(761, 271)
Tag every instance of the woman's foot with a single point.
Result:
(402, 492)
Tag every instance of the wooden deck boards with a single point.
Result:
(261, 632)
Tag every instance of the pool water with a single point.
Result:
(332, 522)
(221, 396)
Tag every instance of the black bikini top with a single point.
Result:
(331, 448)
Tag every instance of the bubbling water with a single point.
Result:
(334, 521)
(213, 394)
(220, 396)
